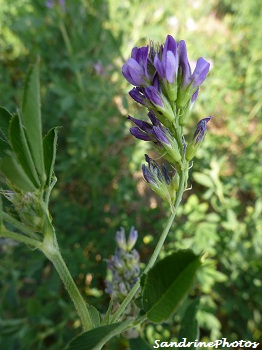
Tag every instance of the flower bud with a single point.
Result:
(198, 138)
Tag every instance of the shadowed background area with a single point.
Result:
(83, 45)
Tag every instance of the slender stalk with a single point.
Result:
(51, 250)
(53, 254)
(156, 252)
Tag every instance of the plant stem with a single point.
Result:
(157, 250)
(51, 251)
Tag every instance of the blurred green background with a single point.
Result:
(100, 187)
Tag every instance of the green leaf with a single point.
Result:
(15, 173)
(95, 316)
(31, 117)
(20, 147)
(106, 319)
(5, 118)
(49, 143)
(139, 344)
(4, 147)
(167, 283)
(97, 337)
(203, 179)
(189, 326)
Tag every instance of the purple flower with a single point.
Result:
(154, 96)
(200, 72)
(166, 61)
(197, 139)
(190, 83)
(138, 94)
(161, 181)
(135, 69)
(144, 130)
(160, 135)
(201, 130)
(165, 138)
(152, 172)
(153, 99)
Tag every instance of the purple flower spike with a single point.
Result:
(135, 69)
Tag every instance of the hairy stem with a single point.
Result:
(51, 250)
(53, 254)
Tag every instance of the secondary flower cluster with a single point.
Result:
(124, 266)
(167, 87)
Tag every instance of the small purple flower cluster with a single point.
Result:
(167, 87)
(124, 266)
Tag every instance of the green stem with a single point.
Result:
(51, 251)
(157, 250)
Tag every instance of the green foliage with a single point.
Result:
(49, 146)
(99, 187)
(31, 118)
(97, 337)
(167, 284)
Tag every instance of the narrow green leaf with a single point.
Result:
(31, 117)
(189, 326)
(15, 173)
(97, 337)
(5, 118)
(95, 316)
(167, 283)
(49, 143)
(106, 319)
(20, 147)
